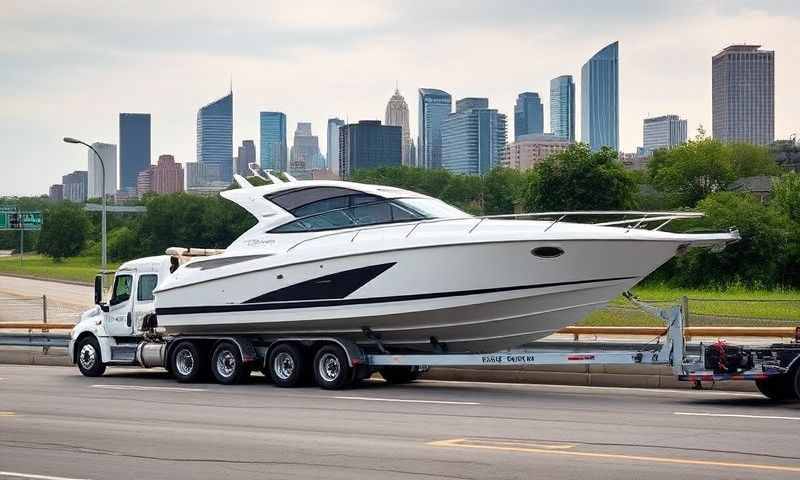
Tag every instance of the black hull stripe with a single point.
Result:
(250, 307)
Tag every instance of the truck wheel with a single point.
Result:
(399, 375)
(776, 387)
(794, 386)
(331, 368)
(227, 365)
(90, 361)
(287, 365)
(186, 362)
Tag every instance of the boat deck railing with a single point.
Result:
(639, 220)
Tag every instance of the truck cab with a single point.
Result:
(109, 332)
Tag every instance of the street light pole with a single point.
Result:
(103, 241)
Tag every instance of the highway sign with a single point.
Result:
(13, 220)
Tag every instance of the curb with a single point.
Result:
(56, 357)
(45, 279)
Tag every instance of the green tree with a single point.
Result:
(503, 190)
(64, 230)
(124, 244)
(580, 179)
(786, 201)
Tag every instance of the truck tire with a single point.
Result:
(287, 365)
(399, 375)
(794, 387)
(186, 362)
(776, 387)
(227, 365)
(89, 358)
(332, 370)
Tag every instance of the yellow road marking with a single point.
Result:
(532, 448)
(7, 414)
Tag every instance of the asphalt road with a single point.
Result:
(142, 425)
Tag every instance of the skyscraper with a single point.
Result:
(134, 148)
(108, 151)
(332, 155)
(305, 155)
(273, 142)
(368, 144)
(75, 185)
(473, 138)
(167, 176)
(665, 131)
(397, 115)
(600, 99)
(743, 95)
(434, 107)
(562, 107)
(246, 156)
(215, 137)
(528, 114)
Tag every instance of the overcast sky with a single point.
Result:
(70, 68)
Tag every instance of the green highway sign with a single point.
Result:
(14, 220)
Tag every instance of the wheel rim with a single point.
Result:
(226, 364)
(330, 368)
(184, 362)
(87, 356)
(284, 365)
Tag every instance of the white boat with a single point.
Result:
(367, 262)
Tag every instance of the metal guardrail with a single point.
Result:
(44, 340)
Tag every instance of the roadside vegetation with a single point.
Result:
(74, 269)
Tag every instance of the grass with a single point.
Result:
(77, 269)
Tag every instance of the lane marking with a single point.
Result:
(464, 443)
(735, 415)
(145, 388)
(7, 414)
(589, 387)
(403, 400)
(36, 477)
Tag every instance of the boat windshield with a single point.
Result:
(375, 213)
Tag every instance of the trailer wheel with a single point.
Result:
(398, 375)
(90, 361)
(287, 365)
(186, 362)
(332, 371)
(227, 365)
(776, 387)
(794, 383)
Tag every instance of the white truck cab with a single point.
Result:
(109, 332)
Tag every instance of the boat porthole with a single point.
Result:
(280, 276)
(547, 252)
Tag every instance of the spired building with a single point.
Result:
(473, 138)
(562, 107)
(215, 139)
(666, 131)
(368, 144)
(108, 152)
(434, 107)
(274, 146)
(305, 155)
(528, 114)
(134, 148)
(332, 154)
(743, 95)
(600, 99)
(397, 115)
(246, 156)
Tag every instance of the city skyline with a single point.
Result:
(46, 98)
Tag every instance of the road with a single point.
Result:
(20, 300)
(133, 424)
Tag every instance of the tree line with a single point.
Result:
(697, 175)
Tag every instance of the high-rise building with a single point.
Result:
(600, 99)
(75, 186)
(434, 107)
(473, 138)
(215, 137)
(368, 144)
(247, 155)
(167, 175)
(56, 192)
(134, 148)
(108, 152)
(144, 182)
(528, 114)
(305, 155)
(397, 115)
(332, 155)
(204, 177)
(666, 131)
(562, 107)
(273, 143)
(743, 95)
(529, 150)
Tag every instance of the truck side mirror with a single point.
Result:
(98, 289)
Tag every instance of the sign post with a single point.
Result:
(11, 218)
